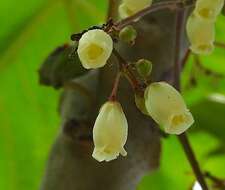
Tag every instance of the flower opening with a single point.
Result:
(167, 107)
(110, 132)
(95, 48)
(208, 9)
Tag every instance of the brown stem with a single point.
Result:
(219, 182)
(220, 44)
(153, 8)
(183, 137)
(177, 66)
(192, 160)
(125, 68)
(186, 56)
(112, 6)
(205, 70)
(115, 87)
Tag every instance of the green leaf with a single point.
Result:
(175, 172)
(209, 116)
(29, 120)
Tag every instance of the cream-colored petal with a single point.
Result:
(94, 48)
(123, 152)
(167, 107)
(97, 154)
(110, 132)
(137, 5)
(208, 9)
(201, 35)
(161, 100)
(179, 123)
(130, 7)
(124, 11)
(202, 48)
(100, 155)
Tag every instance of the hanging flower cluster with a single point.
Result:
(159, 100)
(201, 25)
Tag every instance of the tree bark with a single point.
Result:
(71, 166)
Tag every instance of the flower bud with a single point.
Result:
(208, 9)
(167, 107)
(130, 7)
(94, 48)
(140, 103)
(128, 35)
(110, 132)
(144, 67)
(201, 35)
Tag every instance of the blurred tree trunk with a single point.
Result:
(71, 166)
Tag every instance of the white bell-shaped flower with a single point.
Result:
(94, 48)
(130, 7)
(167, 107)
(201, 35)
(110, 132)
(208, 9)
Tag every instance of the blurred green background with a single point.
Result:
(28, 112)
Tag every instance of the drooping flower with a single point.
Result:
(201, 35)
(167, 107)
(128, 35)
(208, 9)
(130, 7)
(110, 132)
(94, 48)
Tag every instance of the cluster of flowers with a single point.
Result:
(201, 25)
(162, 102)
